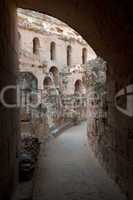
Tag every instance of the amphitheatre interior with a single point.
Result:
(98, 90)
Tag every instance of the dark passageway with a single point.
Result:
(68, 170)
(107, 27)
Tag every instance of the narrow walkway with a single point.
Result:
(68, 171)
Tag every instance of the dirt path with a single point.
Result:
(68, 171)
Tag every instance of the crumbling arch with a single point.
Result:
(93, 13)
(113, 43)
(55, 73)
(78, 86)
(47, 83)
(27, 81)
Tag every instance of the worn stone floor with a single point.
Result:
(68, 171)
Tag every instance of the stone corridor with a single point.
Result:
(67, 170)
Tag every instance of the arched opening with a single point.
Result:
(117, 50)
(28, 85)
(55, 73)
(69, 55)
(36, 46)
(47, 83)
(52, 51)
(78, 87)
(84, 56)
(27, 81)
(80, 99)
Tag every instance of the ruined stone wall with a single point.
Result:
(69, 87)
(60, 61)
(119, 135)
(40, 64)
(9, 118)
(110, 132)
(34, 63)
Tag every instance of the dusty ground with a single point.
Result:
(68, 171)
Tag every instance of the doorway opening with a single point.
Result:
(64, 93)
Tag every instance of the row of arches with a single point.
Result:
(53, 78)
(29, 82)
(36, 48)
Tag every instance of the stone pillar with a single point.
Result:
(8, 116)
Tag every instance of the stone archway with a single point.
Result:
(80, 99)
(27, 81)
(93, 13)
(109, 31)
(36, 45)
(79, 87)
(47, 83)
(55, 73)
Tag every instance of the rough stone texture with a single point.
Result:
(67, 169)
(9, 119)
(108, 30)
(41, 63)
(36, 67)
(111, 137)
(40, 128)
